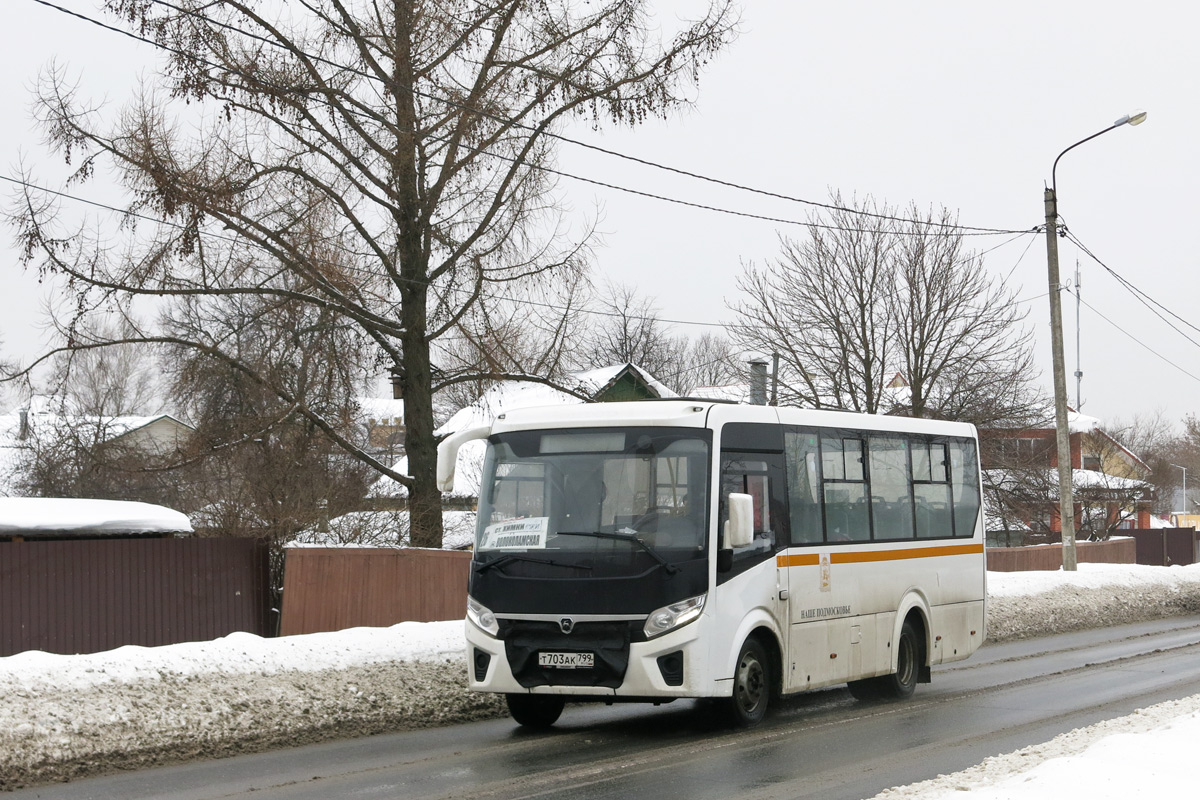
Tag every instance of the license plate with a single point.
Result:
(566, 660)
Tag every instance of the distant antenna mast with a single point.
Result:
(1078, 365)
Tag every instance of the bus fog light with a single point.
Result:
(481, 616)
(668, 618)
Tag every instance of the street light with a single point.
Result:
(1066, 500)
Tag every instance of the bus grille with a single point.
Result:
(608, 641)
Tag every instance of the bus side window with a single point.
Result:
(761, 477)
(964, 477)
(847, 514)
(804, 486)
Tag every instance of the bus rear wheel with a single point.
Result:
(751, 686)
(535, 710)
(901, 684)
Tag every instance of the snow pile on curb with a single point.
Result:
(1023, 605)
(1092, 762)
(68, 716)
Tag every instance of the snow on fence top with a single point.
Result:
(30, 516)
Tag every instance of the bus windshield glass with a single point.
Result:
(627, 494)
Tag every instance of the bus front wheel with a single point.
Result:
(535, 710)
(751, 685)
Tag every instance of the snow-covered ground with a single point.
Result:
(65, 716)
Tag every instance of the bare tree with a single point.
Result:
(625, 328)
(871, 295)
(388, 163)
(710, 359)
(528, 336)
(1169, 453)
(824, 307)
(75, 438)
(959, 335)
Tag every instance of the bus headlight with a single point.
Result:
(483, 619)
(668, 618)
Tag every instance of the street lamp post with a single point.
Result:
(1066, 500)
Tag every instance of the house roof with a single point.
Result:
(37, 516)
(509, 396)
(380, 408)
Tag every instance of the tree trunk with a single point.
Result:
(424, 500)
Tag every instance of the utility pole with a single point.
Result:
(1066, 499)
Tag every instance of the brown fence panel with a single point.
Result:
(1160, 547)
(330, 589)
(84, 596)
(1049, 556)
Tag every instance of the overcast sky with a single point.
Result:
(938, 103)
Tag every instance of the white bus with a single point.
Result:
(655, 550)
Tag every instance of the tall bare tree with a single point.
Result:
(529, 335)
(387, 162)
(872, 294)
(709, 359)
(625, 328)
(824, 307)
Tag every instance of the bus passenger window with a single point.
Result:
(891, 503)
(964, 477)
(931, 490)
(847, 517)
(804, 486)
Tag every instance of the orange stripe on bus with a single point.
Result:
(864, 556)
(805, 560)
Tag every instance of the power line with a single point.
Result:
(1139, 341)
(231, 240)
(964, 230)
(1142, 297)
(551, 134)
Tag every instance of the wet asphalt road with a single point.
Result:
(822, 744)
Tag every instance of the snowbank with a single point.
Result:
(67, 716)
(1092, 762)
(1027, 604)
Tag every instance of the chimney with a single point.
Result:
(758, 382)
(23, 431)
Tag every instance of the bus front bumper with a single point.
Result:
(669, 666)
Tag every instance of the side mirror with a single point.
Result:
(447, 454)
(739, 528)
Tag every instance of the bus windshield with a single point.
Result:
(595, 493)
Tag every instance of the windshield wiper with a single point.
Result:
(627, 537)
(511, 557)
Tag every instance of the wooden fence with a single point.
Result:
(1049, 556)
(329, 589)
(84, 596)
(1165, 547)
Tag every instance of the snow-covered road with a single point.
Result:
(66, 716)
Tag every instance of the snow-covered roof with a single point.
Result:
(386, 529)
(47, 421)
(594, 381)
(509, 396)
(1082, 423)
(33, 516)
(1081, 479)
(380, 408)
